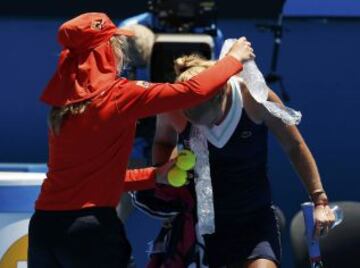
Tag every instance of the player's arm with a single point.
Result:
(291, 141)
(301, 158)
(164, 145)
(165, 140)
(298, 152)
(164, 149)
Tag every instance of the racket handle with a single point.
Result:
(313, 245)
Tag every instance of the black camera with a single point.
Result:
(185, 16)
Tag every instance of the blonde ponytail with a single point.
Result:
(188, 66)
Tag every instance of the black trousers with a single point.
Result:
(91, 238)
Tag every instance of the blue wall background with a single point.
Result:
(319, 60)
(344, 8)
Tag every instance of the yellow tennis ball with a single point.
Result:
(177, 177)
(186, 160)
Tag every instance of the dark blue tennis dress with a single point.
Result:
(245, 223)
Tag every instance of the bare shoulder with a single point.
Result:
(175, 119)
(254, 110)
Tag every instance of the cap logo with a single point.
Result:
(97, 25)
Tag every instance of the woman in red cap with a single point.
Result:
(92, 124)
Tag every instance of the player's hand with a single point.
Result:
(242, 50)
(324, 218)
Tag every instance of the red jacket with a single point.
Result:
(88, 159)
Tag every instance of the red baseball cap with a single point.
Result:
(88, 31)
(86, 65)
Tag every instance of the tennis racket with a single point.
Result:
(313, 245)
